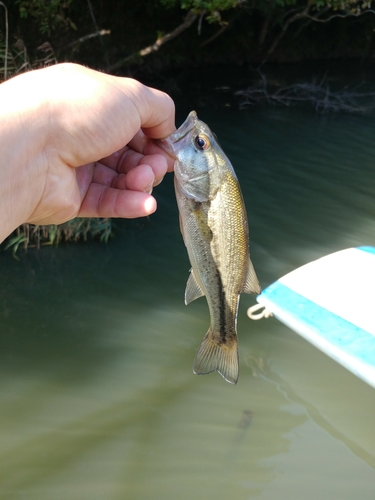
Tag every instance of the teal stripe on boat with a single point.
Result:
(367, 249)
(340, 333)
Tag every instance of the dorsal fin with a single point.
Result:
(251, 284)
(193, 290)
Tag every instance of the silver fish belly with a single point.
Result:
(214, 226)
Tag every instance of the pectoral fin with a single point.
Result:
(251, 284)
(181, 228)
(193, 290)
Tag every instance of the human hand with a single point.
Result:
(76, 142)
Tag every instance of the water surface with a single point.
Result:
(97, 395)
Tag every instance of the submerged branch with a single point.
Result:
(319, 95)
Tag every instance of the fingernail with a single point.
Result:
(158, 180)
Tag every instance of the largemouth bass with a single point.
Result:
(214, 227)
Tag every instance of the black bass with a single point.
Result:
(214, 226)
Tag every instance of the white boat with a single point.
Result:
(331, 303)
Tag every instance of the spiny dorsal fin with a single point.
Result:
(213, 356)
(193, 290)
(251, 284)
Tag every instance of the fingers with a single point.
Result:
(104, 201)
(125, 160)
(153, 149)
(108, 194)
(141, 178)
(139, 144)
(144, 145)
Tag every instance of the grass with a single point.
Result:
(79, 229)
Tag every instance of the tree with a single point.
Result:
(111, 34)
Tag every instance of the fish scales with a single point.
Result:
(214, 226)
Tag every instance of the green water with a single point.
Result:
(97, 396)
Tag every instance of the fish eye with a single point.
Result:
(202, 142)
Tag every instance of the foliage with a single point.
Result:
(268, 6)
(234, 30)
(211, 9)
(276, 17)
(200, 5)
(49, 15)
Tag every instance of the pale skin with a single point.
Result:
(75, 142)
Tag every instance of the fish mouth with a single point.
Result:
(188, 125)
(185, 128)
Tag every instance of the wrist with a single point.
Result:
(21, 142)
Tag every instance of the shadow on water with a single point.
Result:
(97, 396)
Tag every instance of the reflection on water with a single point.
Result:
(98, 399)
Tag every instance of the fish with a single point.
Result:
(214, 227)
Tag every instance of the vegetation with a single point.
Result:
(79, 229)
(49, 16)
(114, 34)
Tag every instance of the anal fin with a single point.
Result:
(251, 284)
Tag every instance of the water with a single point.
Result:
(97, 396)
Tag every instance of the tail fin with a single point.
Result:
(214, 356)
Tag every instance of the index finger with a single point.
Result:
(147, 146)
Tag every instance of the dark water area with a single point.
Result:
(97, 395)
